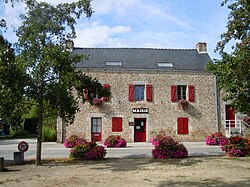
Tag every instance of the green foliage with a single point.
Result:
(12, 80)
(233, 70)
(49, 134)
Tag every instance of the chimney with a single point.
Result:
(201, 47)
(70, 45)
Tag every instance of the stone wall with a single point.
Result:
(163, 114)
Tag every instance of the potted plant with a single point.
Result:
(183, 104)
(97, 102)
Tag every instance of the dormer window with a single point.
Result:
(113, 63)
(165, 64)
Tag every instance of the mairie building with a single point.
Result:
(154, 91)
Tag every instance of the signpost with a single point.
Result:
(23, 146)
(19, 156)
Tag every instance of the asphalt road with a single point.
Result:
(133, 150)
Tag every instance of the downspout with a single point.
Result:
(217, 100)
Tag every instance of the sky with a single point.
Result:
(171, 24)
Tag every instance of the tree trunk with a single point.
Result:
(39, 132)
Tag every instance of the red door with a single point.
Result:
(140, 130)
(96, 129)
(230, 116)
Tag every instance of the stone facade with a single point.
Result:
(162, 112)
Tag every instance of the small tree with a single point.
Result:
(43, 54)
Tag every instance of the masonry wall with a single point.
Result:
(163, 114)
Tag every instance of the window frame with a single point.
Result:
(181, 92)
(94, 124)
(139, 93)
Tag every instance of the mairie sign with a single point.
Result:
(140, 110)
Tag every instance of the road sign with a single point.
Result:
(23, 146)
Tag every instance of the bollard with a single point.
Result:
(1, 164)
(18, 157)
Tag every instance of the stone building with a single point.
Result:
(154, 91)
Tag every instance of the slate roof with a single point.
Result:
(142, 58)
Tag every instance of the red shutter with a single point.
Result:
(117, 124)
(149, 93)
(191, 93)
(179, 124)
(86, 96)
(131, 92)
(120, 124)
(173, 93)
(182, 124)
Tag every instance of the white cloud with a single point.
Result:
(96, 34)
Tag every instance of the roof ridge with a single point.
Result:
(145, 48)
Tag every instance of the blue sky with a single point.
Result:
(142, 23)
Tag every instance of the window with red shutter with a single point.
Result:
(182, 125)
(173, 93)
(117, 124)
(191, 93)
(131, 92)
(149, 93)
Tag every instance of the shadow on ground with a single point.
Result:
(114, 164)
(208, 182)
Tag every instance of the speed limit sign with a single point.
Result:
(23, 146)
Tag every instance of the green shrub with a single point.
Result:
(49, 134)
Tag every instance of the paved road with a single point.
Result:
(133, 150)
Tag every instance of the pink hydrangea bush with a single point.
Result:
(73, 140)
(88, 151)
(237, 146)
(167, 147)
(115, 141)
(216, 139)
(155, 139)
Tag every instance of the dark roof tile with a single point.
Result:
(143, 58)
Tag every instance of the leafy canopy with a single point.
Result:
(12, 80)
(233, 70)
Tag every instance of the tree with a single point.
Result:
(50, 67)
(233, 70)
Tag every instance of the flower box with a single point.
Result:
(97, 102)
(183, 104)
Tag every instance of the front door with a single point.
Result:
(230, 116)
(96, 129)
(140, 130)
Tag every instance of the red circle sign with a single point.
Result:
(23, 146)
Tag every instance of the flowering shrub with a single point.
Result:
(155, 139)
(97, 102)
(216, 139)
(115, 141)
(237, 147)
(73, 140)
(167, 147)
(88, 151)
(183, 104)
